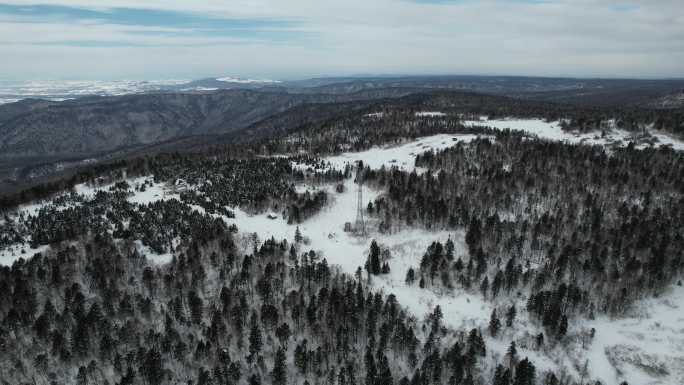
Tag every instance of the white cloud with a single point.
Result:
(578, 38)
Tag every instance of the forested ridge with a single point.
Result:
(572, 224)
(551, 232)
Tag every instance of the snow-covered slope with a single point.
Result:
(153, 192)
(402, 156)
(646, 347)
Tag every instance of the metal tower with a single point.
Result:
(359, 225)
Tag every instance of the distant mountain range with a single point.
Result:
(567, 90)
(99, 118)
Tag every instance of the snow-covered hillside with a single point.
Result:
(646, 347)
(152, 192)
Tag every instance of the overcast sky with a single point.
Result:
(286, 39)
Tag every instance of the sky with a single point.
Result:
(294, 39)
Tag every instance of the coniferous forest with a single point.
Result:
(140, 271)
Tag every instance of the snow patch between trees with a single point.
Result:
(553, 131)
(402, 156)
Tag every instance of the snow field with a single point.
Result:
(402, 156)
(429, 114)
(19, 250)
(650, 343)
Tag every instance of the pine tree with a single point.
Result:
(524, 373)
(234, 372)
(196, 307)
(449, 249)
(474, 235)
(300, 357)
(476, 344)
(298, 235)
(502, 376)
(494, 324)
(129, 378)
(512, 354)
(484, 287)
(510, 315)
(563, 327)
(80, 343)
(283, 334)
(371, 370)
(254, 379)
(293, 252)
(82, 376)
(384, 373)
(254, 341)
(152, 368)
(540, 340)
(410, 276)
(373, 265)
(279, 373)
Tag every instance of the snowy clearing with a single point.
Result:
(19, 250)
(402, 156)
(645, 348)
(429, 114)
(553, 131)
(153, 191)
(148, 253)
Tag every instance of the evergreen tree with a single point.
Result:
(373, 265)
(563, 327)
(484, 287)
(152, 367)
(279, 373)
(384, 372)
(196, 307)
(502, 376)
(254, 341)
(298, 235)
(410, 276)
(371, 369)
(494, 324)
(512, 354)
(510, 315)
(524, 373)
(283, 333)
